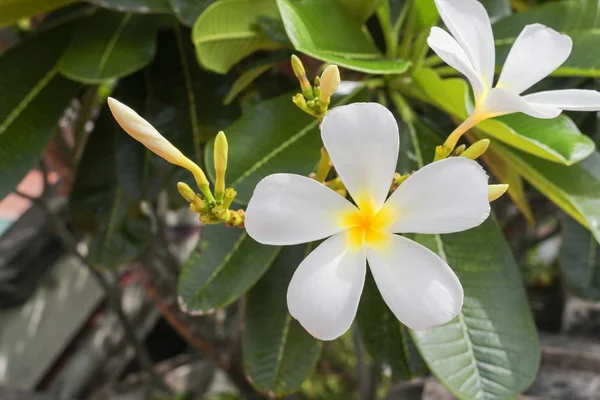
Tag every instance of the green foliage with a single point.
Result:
(12, 11)
(580, 260)
(278, 353)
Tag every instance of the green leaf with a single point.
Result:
(109, 45)
(359, 10)
(497, 9)
(278, 353)
(426, 14)
(226, 32)
(33, 96)
(136, 6)
(274, 136)
(573, 17)
(576, 189)
(11, 11)
(101, 207)
(245, 80)
(225, 264)
(557, 139)
(580, 260)
(490, 350)
(324, 31)
(188, 11)
(185, 100)
(385, 338)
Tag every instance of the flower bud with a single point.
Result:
(220, 156)
(477, 149)
(495, 191)
(186, 192)
(301, 75)
(330, 81)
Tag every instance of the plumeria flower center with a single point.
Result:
(367, 225)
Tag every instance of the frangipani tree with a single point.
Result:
(393, 166)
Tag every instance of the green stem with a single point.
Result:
(432, 61)
(408, 116)
(391, 42)
(420, 50)
(407, 40)
(446, 71)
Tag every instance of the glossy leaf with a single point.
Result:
(136, 6)
(101, 207)
(425, 14)
(576, 189)
(278, 353)
(12, 11)
(226, 32)
(185, 100)
(385, 338)
(109, 45)
(188, 11)
(225, 264)
(491, 349)
(274, 136)
(33, 96)
(245, 80)
(557, 139)
(573, 17)
(360, 10)
(580, 260)
(324, 31)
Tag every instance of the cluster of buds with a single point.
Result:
(314, 100)
(212, 208)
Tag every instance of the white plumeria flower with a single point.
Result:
(443, 197)
(536, 53)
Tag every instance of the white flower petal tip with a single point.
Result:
(419, 287)
(569, 99)
(447, 196)
(288, 209)
(325, 290)
(142, 131)
(362, 140)
(501, 102)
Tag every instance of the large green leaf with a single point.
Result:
(13, 10)
(385, 338)
(185, 100)
(360, 10)
(574, 17)
(576, 189)
(580, 260)
(188, 11)
(490, 350)
(324, 31)
(33, 97)
(101, 207)
(226, 32)
(137, 6)
(274, 136)
(109, 45)
(557, 139)
(278, 353)
(225, 264)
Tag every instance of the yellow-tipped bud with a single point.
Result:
(220, 156)
(186, 192)
(495, 191)
(142, 131)
(477, 149)
(460, 149)
(330, 81)
(301, 75)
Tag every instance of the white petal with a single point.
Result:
(418, 286)
(444, 197)
(290, 209)
(325, 290)
(536, 53)
(501, 102)
(569, 99)
(469, 23)
(362, 141)
(450, 51)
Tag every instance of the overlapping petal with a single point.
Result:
(453, 54)
(362, 141)
(501, 102)
(568, 99)
(444, 197)
(288, 209)
(418, 286)
(536, 53)
(469, 23)
(325, 290)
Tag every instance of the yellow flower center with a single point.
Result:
(367, 225)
